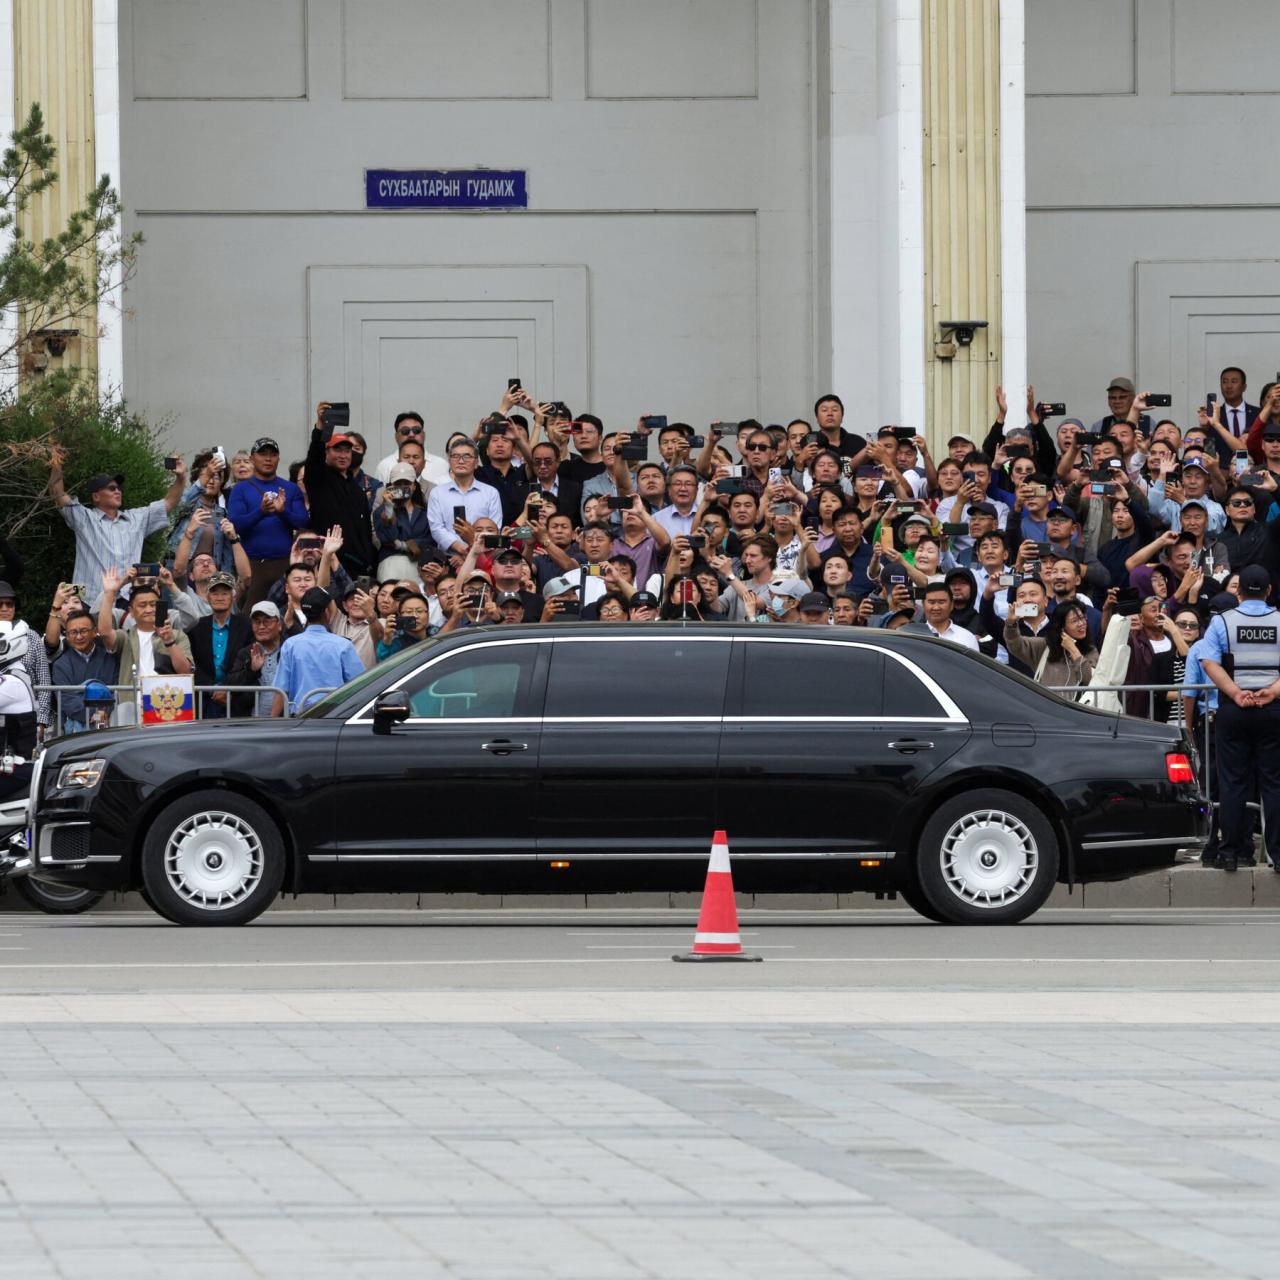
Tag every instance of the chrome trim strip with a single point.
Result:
(697, 856)
(1142, 843)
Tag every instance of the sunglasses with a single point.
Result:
(1241, 502)
(759, 448)
(411, 431)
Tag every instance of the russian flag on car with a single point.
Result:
(168, 699)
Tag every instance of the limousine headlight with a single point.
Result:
(81, 773)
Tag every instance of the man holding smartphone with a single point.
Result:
(267, 511)
(461, 499)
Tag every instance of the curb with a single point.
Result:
(1185, 885)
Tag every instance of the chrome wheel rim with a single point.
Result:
(989, 858)
(213, 860)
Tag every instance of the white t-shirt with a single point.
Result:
(146, 654)
(15, 699)
(957, 635)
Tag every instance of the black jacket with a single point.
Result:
(200, 638)
(341, 500)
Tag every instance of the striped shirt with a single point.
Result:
(104, 542)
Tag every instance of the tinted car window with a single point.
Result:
(676, 677)
(487, 682)
(905, 695)
(811, 680)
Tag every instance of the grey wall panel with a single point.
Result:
(227, 50)
(671, 48)
(1228, 46)
(423, 49)
(1084, 47)
(1167, 298)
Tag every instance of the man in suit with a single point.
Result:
(215, 640)
(1237, 415)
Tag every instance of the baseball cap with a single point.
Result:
(508, 597)
(558, 587)
(1222, 601)
(266, 607)
(1194, 502)
(1062, 553)
(222, 580)
(265, 444)
(1194, 461)
(101, 481)
(508, 553)
(644, 600)
(1063, 513)
(339, 439)
(400, 471)
(478, 573)
(814, 602)
(7, 592)
(983, 509)
(1271, 431)
(793, 587)
(919, 519)
(959, 438)
(315, 601)
(1253, 577)
(1121, 384)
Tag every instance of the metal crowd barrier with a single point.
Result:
(126, 702)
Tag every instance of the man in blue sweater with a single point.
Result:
(266, 511)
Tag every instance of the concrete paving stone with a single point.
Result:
(459, 901)
(1197, 886)
(637, 901)
(1148, 890)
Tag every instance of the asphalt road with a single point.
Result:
(373, 1094)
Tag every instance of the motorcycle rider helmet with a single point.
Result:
(15, 637)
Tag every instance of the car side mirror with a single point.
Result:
(390, 708)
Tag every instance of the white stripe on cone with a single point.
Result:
(717, 931)
(717, 938)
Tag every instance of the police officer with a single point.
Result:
(1242, 657)
(17, 709)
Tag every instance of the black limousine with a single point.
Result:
(601, 758)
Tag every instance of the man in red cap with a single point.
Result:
(337, 497)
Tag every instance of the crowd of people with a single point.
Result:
(1023, 545)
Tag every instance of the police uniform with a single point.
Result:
(1245, 642)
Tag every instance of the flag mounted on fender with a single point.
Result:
(168, 699)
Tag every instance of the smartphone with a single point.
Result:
(491, 541)
(686, 593)
(1086, 439)
(1033, 568)
(1044, 548)
(955, 529)
(568, 609)
(1006, 579)
(1115, 463)
(310, 543)
(1054, 410)
(1102, 475)
(736, 472)
(1240, 464)
(815, 437)
(575, 428)
(697, 442)
(1041, 490)
(654, 422)
(636, 451)
(459, 513)
(1025, 611)
(785, 509)
(879, 607)
(970, 477)
(364, 583)
(873, 473)
(619, 503)
(593, 570)
(775, 475)
(513, 384)
(1100, 490)
(162, 614)
(146, 569)
(697, 541)
(1161, 401)
(171, 463)
(1128, 602)
(495, 427)
(1209, 401)
(731, 485)
(338, 414)
(905, 433)
(78, 589)
(722, 428)
(1017, 451)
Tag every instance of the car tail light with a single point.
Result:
(1179, 767)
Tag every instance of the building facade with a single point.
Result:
(732, 205)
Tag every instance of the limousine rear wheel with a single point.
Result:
(212, 857)
(987, 857)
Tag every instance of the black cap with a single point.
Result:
(983, 509)
(508, 553)
(7, 592)
(1271, 431)
(1062, 553)
(1254, 579)
(265, 444)
(101, 481)
(644, 598)
(1222, 602)
(814, 602)
(508, 597)
(1063, 513)
(315, 602)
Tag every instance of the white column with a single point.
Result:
(1013, 202)
(8, 320)
(900, 158)
(106, 119)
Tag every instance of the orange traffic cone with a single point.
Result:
(717, 937)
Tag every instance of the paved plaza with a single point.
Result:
(356, 1096)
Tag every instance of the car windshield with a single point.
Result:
(375, 675)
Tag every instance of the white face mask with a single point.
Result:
(778, 606)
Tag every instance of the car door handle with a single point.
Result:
(504, 746)
(909, 746)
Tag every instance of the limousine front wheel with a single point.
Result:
(987, 857)
(212, 857)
